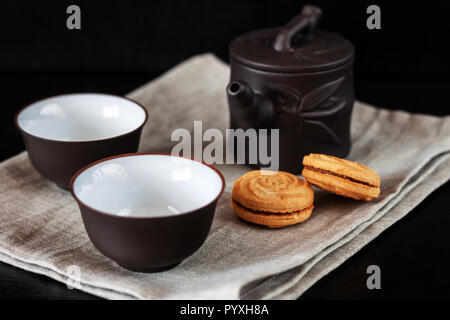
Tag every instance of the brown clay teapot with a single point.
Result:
(297, 79)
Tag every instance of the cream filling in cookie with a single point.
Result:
(340, 176)
(274, 213)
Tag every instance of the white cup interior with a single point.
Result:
(81, 117)
(147, 186)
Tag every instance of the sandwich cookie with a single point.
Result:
(342, 177)
(273, 199)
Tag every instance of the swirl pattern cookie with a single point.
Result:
(273, 199)
(342, 177)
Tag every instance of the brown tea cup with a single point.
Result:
(62, 134)
(147, 212)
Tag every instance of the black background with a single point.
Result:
(123, 44)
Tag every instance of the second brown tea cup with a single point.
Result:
(62, 134)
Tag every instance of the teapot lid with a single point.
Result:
(296, 47)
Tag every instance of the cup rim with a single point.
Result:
(72, 180)
(16, 116)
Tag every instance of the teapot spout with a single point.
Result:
(248, 108)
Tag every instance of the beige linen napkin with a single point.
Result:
(41, 228)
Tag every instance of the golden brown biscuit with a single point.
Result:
(273, 199)
(340, 176)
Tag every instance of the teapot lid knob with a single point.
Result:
(298, 29)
